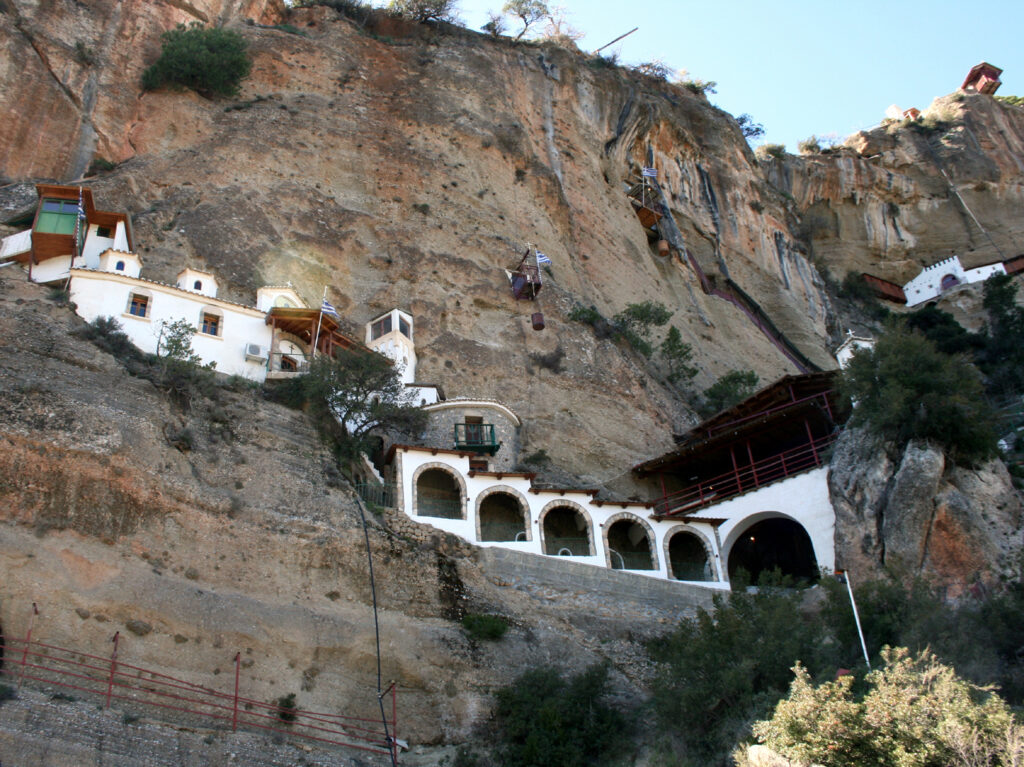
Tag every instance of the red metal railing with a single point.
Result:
(51, 667)
(808, 456)
(823, 396)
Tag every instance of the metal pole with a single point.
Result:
(634, 29)
(113, 665)
(856, 616)
(234, 713)
(28, 641)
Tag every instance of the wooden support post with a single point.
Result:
(28, 642)
(113, 667)
(810, 439)
(234, 711)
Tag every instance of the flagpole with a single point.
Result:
(319, 321)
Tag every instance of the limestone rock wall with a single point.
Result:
(915, 514)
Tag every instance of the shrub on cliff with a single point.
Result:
(906, 389)
(424, 10)
(212, 62)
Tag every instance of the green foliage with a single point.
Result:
(809, 145)
(365, 392)
(855, 287)
(1013, 101)
(907, 389)
(527, 11)
(106, 334)
(212, 62)
(677, 355)
(1002, 356)
(495, 26)
(636, 321)
(424, 10)
(733, 387)
(916, 713)
(547, 721)
(777, 151)
(700, 87)
(482, 626)
(721, 669)
(749, 128)
(286, 708)
(657, 69)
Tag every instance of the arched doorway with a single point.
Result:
(949, 281)
(566, 532)
(629, 547)
(438, 495)
(688, 558)
(502, 518)
(773, 543)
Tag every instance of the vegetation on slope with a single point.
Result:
(212, 62)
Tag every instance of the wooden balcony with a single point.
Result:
(478, 437)
(707, 492)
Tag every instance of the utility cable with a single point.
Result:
(392, 745)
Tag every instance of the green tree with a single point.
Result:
(364, 391)
(424, 10)
(527, 11)
(907, 389)
(545, 720)
(916, 713)
(749, 128)
(733, 387)
(212, 62)
(636, 321)
(677, 356)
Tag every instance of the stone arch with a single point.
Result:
(557, 537)
(676, 561)
(626, 550)
(767, 540)
(949, 281)
(445, 500)
(482, 511)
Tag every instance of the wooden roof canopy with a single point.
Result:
(983, 71)
(789, 396)
(92, 214)
(302, 323)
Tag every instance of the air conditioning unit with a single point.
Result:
(254, 352)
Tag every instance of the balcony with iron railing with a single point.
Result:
(438, 503)
(478, 437)
(797, 460)
(567, 547)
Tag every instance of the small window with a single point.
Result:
(104, 231)
(380, 328)
(139, 305)
(211, 324)
(403, 327)
(197, 285)
(57, 217)
(478, 464)
(119, 266)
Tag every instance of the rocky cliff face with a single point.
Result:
(916, 514)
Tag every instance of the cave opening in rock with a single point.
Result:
(775, 543)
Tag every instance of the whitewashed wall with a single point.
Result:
(928, 284)
(106, 294)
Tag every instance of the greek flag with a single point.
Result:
(542, 259)
(650, 172)
(326, 308)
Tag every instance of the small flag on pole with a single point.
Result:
(326, 308)
(650, 172)
(542, 259)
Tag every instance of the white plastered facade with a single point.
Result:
(928, 284)
(802, 498)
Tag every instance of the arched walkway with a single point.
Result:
(688, 557)
(438, 494)
(775, 542)
(502, 516)
(566, 530)
(629, 544)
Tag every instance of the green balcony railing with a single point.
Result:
(434, 503)
(478, 437)
(376, 494)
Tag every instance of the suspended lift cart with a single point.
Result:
(526, 281)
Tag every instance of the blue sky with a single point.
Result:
(802, 68)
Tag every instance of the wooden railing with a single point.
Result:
(746, 478)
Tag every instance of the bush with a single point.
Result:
(489, 627)
(749, 128)
(677, 356)
(700, 87)
(777, 151)
(212, 62)
(735, 386)
(547, 721)
(917, 712)
(809, 145)
(907, 389)
(424, 10)
(286, 708)
(855, 287)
